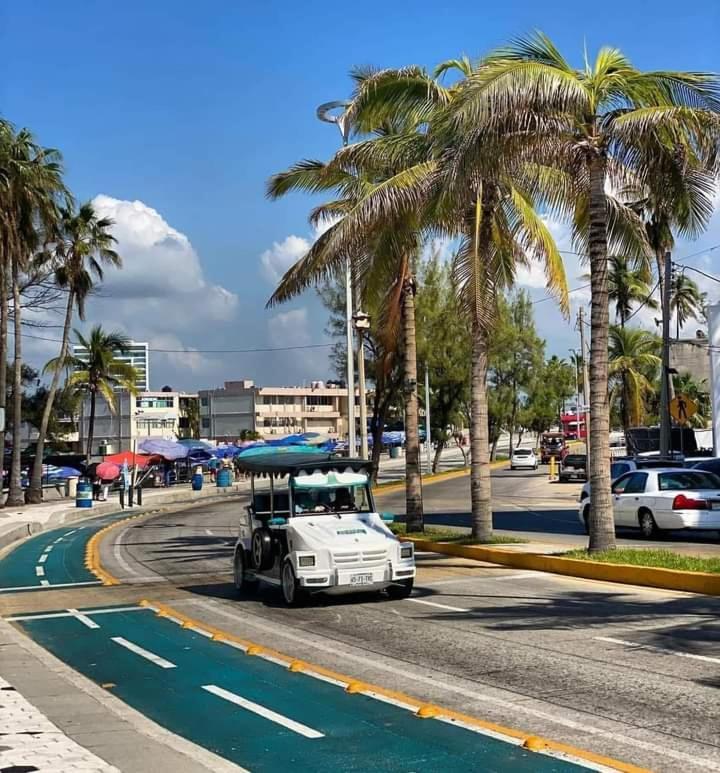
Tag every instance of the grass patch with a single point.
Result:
(663, 559)
(450, 535)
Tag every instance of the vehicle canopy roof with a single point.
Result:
(553, 435)
(281, 464)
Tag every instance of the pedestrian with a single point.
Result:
(212, 466)
(168, 466)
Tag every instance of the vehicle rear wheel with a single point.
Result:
(401, 589)
(648, 527)
(293, 593)
(262, 555)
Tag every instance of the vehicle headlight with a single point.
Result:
(305, 561)
(406, 551)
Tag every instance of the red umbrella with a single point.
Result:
(107, 471)
(142, 460)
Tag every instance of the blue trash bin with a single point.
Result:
(224, 477)
(197, 480)
(84, 495)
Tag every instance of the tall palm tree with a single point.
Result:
(605, 125)
(627, 288)
(83, 247)
(467, 184)
(686, 301)
(631, 352)
(99, 374)
(30, 190)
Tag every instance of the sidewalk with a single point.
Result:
(16, 523)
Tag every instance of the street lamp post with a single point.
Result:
(577, 392)
(362, 323)
(327, 112)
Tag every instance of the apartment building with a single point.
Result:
(135, 355)
(272, 411)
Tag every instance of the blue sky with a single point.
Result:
(189, 107)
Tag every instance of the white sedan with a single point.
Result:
(664, 498)
(523, 458)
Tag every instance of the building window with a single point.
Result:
(318, 400)
(205, 422)
(155, 402)
(204, 402)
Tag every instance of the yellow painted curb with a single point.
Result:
(422, 709)
(92, 551)
(629, 574)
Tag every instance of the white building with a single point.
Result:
(272, 411)
(135, 355)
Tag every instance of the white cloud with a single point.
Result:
(278, 259)
(290, 328)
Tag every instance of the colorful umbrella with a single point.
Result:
(107, 471)
(168, 449)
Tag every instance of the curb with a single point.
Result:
(422, 709)
(391, 486)
(704, 583)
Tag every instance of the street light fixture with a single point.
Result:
(336, 112)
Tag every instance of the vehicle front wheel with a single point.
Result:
(293, 593)
(401, 589)
(648, 526)
(240, 580)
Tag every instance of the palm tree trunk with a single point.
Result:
(91, 426)
(413, 484)
(480, 487)
(3, 361)
(16, 496)
(35, 491)
(602, 522)
(438, 452)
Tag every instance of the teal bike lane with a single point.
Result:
(257, 713)
(54, 558)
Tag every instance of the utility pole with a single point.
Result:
(585, 381)
(352, 450)
(428, 441)
(362, 323)
(665, 429)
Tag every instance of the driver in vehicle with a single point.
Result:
(344, 500)
(309, 502)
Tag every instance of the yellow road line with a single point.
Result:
(422, 709)
(92, 552)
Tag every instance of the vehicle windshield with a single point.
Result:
(331, 492)
(684, 480)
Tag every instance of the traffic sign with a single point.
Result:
(682, 408)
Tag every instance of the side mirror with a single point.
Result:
(388, 517)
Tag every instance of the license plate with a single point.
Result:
(361, 579)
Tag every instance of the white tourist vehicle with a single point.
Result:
(313, 528)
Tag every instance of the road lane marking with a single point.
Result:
(661, 650)
(48, 549)
(261, 711)
(39, 571)
(584, 725)
(151, 656)
(208, 532)
(439, 606)
(49, 615)
(46, 584)
(59, 539)
(84, 619)
(43, 558)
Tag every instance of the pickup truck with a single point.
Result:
(573, 467)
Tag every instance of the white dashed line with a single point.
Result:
(151, 656)
(661, 650)
(84, 619)
(44, 583)
(48, 549)
(439, 606)
(49, 615)
(12, 588)
(43, 558)
(39, 571)
(261, 711)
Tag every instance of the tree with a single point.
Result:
(549, 388)
(686, 301)
(100, 374)
(600, 126)
(83, 246)
(444, 348)
(699, 393)
(627, 287)
(30, 188)
(631, 351)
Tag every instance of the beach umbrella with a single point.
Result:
(107, 471)
(192, 443)
(168, 449)
(129, 458)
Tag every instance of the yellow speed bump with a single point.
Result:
(421, 709)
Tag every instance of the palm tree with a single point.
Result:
(604, 125)
(632, 351)
(464, 183)
(686, 301)
(84, 245)
(100, 374)
(30, 189)
(627, 287)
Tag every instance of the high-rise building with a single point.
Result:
(136, 355)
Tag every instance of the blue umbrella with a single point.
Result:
(168, 449)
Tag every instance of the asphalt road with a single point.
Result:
(526, 505)
(627, 672)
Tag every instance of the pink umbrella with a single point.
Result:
(107, 471)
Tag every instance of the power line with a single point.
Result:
(645, 302)
(697, 270)
(552, 298)
(203, 351)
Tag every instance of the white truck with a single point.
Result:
(313, 528)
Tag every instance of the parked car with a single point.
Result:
(663, 498)
(523, 459)
(709, 465)
(573, 467)
(621, 466)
